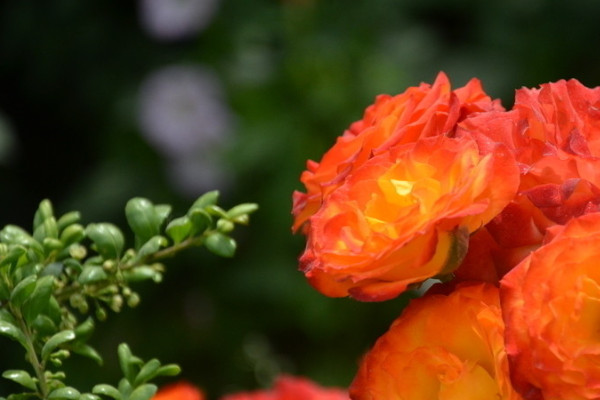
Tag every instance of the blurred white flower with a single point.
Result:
(176, 19)
(182, 111)
(183, 115)
(194, 175)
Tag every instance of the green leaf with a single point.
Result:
(11, 331)
(151, 246)
(72, 234)
(147, 372)
(125, 361)
(47, 229)
(43, 212)
(91, 274)
(142, 273)
(125, 388)
(84, 330)
(15, 252)
(208, 198)
(142, 218)
(87, 351)
(13, 234)
(67, 219)
(108, 239)
(144, 392)
(89, 396)
(169, 370)
(21, 377)
(242, 209)
(107, 390)
(39, 300)
(220, 244)
(200, 219)
(55, 341)
(162, 212)
(215, 210)
(64, 393)
(23, 290)
(44, 326)
(179, 229)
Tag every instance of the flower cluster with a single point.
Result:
(501, 205)
(285, 388)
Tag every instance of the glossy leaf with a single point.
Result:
(147, 372)
(39, 300)
(242, 209)
(108, 239)
(107, 390)
(208, 198)
(142, 273)
(89, 396)
(142, 218)
(64, 393)
(47, 229)
(44, 326)
(15, 252)
(43, 212)
(179, 229)
(67, 219)
(151, 246)
(91, 274)
(9, 330)
(200, 219)
(13, 234)
(162, 212)
(72, 234)
(84, 330)
(87, 351)
(23, 290)
(143, 392)
(169, 370)
(220, 244)
(21, 377)
(55, 341)
(125, 361)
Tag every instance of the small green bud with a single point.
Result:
(133, 300)
(79, 302)
(77, 251)
(116, 303)
(224, 226)
(100, 314)
(61, 354)
(109, 265)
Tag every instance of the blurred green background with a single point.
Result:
(101, 101)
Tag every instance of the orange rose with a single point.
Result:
(553, 133)
(423, 111)
(441, 347)
(405, 216)
(292, 388)
(179, 391)
(551, 307)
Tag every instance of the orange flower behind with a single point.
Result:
(423, 111)
(405, 216)
(179, 391)
(291, 388)
(441, 347)
(551, 307)
(553, 133)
